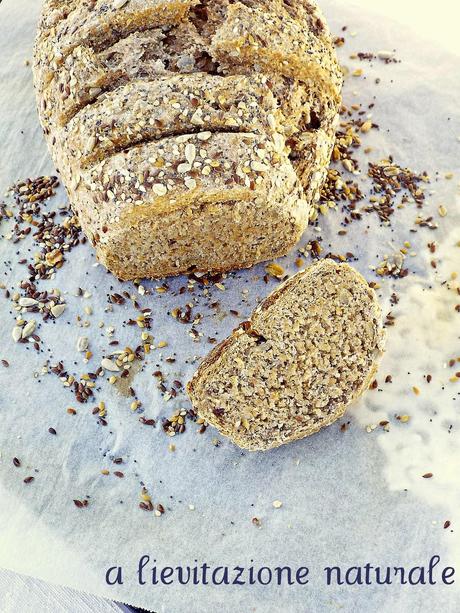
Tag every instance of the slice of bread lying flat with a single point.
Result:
(308, 351)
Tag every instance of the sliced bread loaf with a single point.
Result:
(124, 85)
(308, 351)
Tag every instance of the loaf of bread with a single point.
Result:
(190, 135)
(307, 352)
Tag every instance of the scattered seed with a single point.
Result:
(16, 334)
(29, 328)
(82, 343)
(27, 302)
(109, 365)
(58, 310)
(367, 125)
(275, 270)
(386, 55)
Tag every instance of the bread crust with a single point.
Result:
(149, 110)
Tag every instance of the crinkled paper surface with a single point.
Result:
(348, 497)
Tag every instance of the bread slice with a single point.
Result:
(307, 352)
(274, 37)
(257, 35)
(143, 110)
(194, 202)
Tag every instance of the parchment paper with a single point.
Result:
(348, 497)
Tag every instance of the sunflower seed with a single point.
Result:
(118, 4)
(82, 343)
(27, 302)
(16, 334)
(159, 189)
(29, 328)
(58, 310)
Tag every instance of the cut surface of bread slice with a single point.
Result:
(308, 351)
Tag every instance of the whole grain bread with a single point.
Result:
(88, 74)
(308, 351)
(126, 89)
(150, 110)
(234, 184)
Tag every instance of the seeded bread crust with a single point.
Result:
(308, 351)
(58, 10)
(87, 74)
(124, 86)
(147, 110)
(277, 44)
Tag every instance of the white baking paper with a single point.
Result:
(347, 497)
